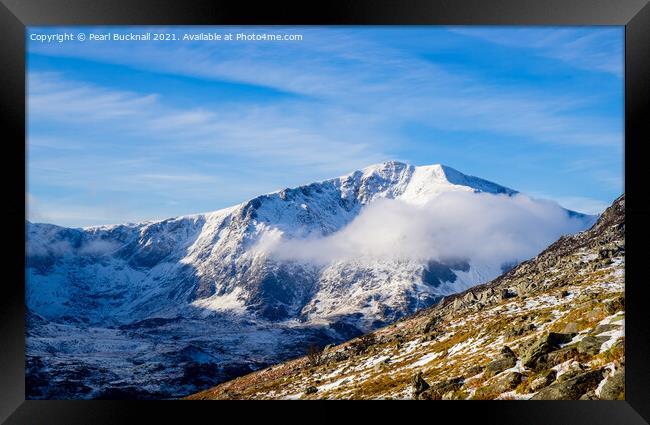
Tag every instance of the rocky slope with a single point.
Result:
(551, 328)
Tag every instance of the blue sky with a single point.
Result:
(123, 131)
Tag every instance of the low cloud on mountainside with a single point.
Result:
(61, 248)
(478, 226)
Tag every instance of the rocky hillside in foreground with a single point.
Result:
(551, 328)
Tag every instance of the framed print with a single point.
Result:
(352, 201)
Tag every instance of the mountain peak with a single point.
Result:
(437, 172)
(386, 166)
(422, 182)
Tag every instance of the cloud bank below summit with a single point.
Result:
(454, 225)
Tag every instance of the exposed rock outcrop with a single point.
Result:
(571, 389)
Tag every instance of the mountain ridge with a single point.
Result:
(451, 175)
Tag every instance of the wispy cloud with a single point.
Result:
(583, 204)
(77, 214)
(279, 132)
(52, 97)
(589, 50)
(358, 74)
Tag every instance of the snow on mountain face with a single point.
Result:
(200, 285)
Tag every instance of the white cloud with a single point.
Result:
(50, 96)
(456, 225)
(32, 208)
(65, 212)
(98, 247)
(600, 51)
(583, 204)
(418, 89)
(270, 133)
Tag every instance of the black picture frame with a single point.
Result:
(15, 15)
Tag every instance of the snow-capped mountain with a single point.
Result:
(186, 302)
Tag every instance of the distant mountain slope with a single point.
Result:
(551, 328)
(111, 307)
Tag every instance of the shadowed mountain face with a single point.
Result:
(551, 328)
(160, 309)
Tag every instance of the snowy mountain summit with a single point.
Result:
(184, 303)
